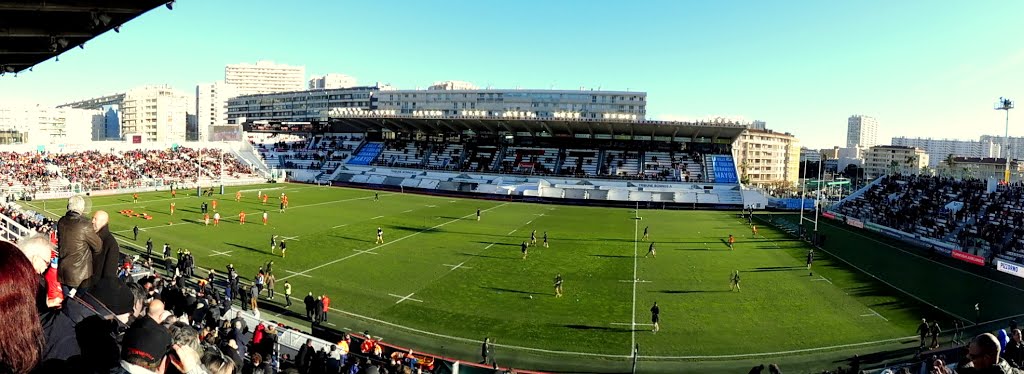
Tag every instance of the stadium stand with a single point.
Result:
(972, 215)
(98, 170)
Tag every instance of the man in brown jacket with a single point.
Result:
(77, 243)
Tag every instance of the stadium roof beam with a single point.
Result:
(33, 31)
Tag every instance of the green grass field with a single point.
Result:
(443, 281)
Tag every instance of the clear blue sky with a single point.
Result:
(923, 68)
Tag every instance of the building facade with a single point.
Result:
(891, 159)
(940, 149)
(862, 131)
(452, 86)
(312, 105)
(810, 155)
(984, 168)
(1016, 145)
(332, 81)
(541, 103)
(158, 113)
(765, 157)
(212, 106)
(37, 124)
(265, 77)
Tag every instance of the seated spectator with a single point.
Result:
(22, 336)
(144, 349)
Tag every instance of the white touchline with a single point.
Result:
(385, 244)
(332, 202)
(636, 234)
(154, 227)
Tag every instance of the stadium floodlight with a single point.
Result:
(1006, 104)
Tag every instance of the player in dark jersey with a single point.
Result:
(558, 285)
(284, 248)
(810, 259)
(651, 251)
(533, 238)
(734, 281)
(380, 235)
(545, 239)
(655, 312)
(376, 196)
(478, 214)
(273, 243)
(645, 233)
(522, 247)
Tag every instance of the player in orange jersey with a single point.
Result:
(265, 196)
(172, 208)
(213, 203)
(206, 218)
(754, 229)
(174, 193)
(241, 218)
(238, 195)
(264, 218)
(135, 197)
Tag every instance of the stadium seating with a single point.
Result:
(367, 154)
(95, 170)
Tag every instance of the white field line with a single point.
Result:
(879, 315)
(636, 237)
(404, 298)
(332, 202)
(154, 227)
(385, 244)
(377, 217)
(341, 225)
(567, 352)
(511, 232)
(489, 246)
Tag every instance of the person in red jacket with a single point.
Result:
(327, 306)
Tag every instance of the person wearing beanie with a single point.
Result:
(144, 348)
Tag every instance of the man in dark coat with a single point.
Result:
(77, 244)
(104, 264)
(310, 306)
(305, 356)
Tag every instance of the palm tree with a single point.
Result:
(893, 165)
(910, 162)
(949, 163)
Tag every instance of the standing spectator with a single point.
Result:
(310, 306)
(77, 244)
(334, 360)
(254, 295)
(319, 310)
(256, 365)
(935, 331)
(287, 294)
(135, 233)
(105, 263)
(22, 342)
(922, 330)
(270, 285)
(149, 248)
(305, 356)
(484, 349)
(327, 306)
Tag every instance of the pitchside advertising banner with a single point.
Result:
(1010, 268)
(967, 257)
(855, 222)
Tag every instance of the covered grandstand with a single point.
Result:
(606, 162)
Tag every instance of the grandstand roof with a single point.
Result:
(33, 31)
(552, 126)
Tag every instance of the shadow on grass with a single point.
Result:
(244, 247)
(612, 256)
(598, 328)
(509, 290)
(486, 256)
(350, 238)
(499, 244)
(776, 268)
(676, 292)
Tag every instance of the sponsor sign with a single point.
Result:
(1010, 268)
(855, 222)
(967, 257)
(656, 185)
(828, 215)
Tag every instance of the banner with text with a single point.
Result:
(967, 257)
(1010, 268)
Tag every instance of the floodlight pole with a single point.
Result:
(817, 202)
(1006, 104)
(802, 194)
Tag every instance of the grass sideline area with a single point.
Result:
(442, 281)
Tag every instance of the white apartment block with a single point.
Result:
(265, 77)
(212, 106)
(765, 157)
(862, 131)
(44, 125)
(999, 143)
(331, 81)
(158, 113)
(313, 105)
(940, 149)
(542, 103)
(452, 86)
(888, 159)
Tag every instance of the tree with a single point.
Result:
(949, 163)
(893, 166)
